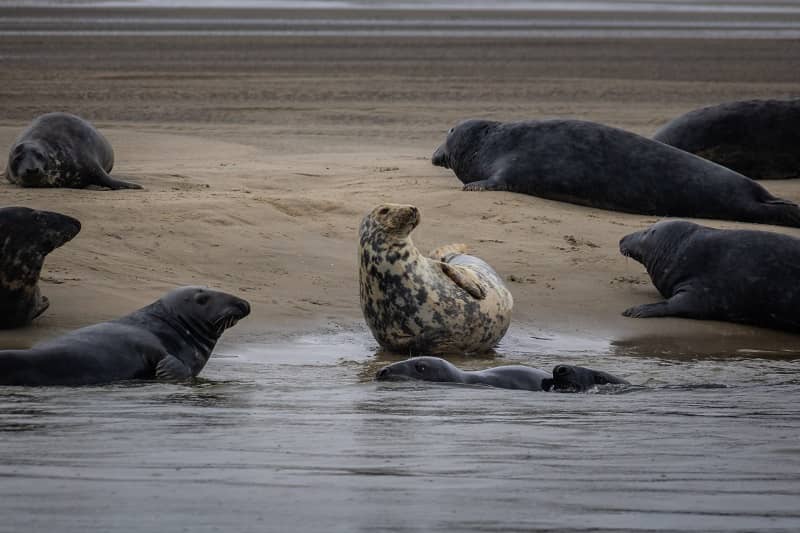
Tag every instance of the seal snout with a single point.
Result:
(439, 157)
(383, 374)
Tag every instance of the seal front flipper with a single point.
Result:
(102, 179)
(466, 279)
(681, 304)
(170, 368)
(485, 185)
(444, 253)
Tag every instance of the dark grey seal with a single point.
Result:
(745, 276)
(170, 339)
(62, 150)
(599, 166)
(26, 237)
(448, 302)
(758, 138)
(569, 378)
(436, 369)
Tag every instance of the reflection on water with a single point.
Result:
(294, 436)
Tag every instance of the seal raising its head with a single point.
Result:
(26, 237)
(448, 302)
(170, 339)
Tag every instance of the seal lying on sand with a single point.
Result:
(62, 150)
(759, 138)
(565, 378)
(170, 339)
(599, 166)
(743, 276)
(446, 303)
(26, 237)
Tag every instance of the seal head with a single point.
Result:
(568, 378)
(459, 151)
(421, 368)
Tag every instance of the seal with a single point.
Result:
(569, 378)
(26, 237)
(757, 138)
(439, 370)
(170, 339)
(449, 302)
(62, 150)
(599, 166)
(745, 276)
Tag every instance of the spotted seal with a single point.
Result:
(742, 276)
(62, 150)
(599, 166)
(170, 339)
(26, 237)
(446, 303)
(758, 138)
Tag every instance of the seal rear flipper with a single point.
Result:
(446, 252)
(102, 179)
(170, 368)
(466, 279)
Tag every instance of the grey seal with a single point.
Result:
(26, 237)
(599, 166)
(170, 339)
(745, 276)
(446, 303)
(62, 150)
(570, 378)
(758, 138)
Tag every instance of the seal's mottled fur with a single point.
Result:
(450, 302)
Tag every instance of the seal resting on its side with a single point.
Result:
(62, 150)
(446, 303)
(599, 166)
(170, 339)
(26, 237)
(759, 138)
(745, 276)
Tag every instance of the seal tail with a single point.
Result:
(446, 252)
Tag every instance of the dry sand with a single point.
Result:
(259, 157)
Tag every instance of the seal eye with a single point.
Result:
(383, 211)
(421, 368)
(202, 298)
(451, 130)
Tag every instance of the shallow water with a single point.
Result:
(293, 435)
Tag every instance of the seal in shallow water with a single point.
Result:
(449, 302)
(599, 166)
(62, 150)
(569, 378)
(743, 276)
(170, 339)
(26, 237)
(759, 138)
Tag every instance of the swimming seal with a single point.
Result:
(449, 302)
(439, 370)
(745, 276)
(62, 150)
(26, 237)
(569, 378)
(170, 339)
(599, 166)
(758, 138)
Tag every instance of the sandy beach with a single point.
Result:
(260, 155)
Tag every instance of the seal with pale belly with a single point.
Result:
(744, 276)
(759, 138)
(449, 302)
(170, 339)
(62, 150)
(599, 166)
(26, 237)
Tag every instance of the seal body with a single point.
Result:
(745, 276)
(26, 237)
(758, 138)
(450, 302)
(62, 150)
(569, 378)
(599, 166)
(170, 339)
(439, 370)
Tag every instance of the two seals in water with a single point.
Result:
(599, 166)
(446, 303)
(744, 276)
(758, 138)
(565, 378)
(62, 150)
(170, 339)
(26, 237)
